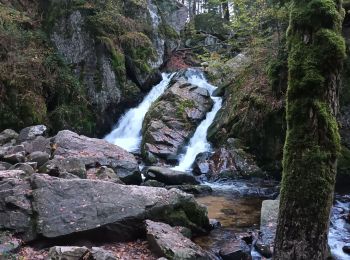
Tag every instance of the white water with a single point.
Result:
(127, 133)
(339, 231)
(199, 143)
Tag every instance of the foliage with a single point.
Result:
(34, 81)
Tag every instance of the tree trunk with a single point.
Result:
(316, 52)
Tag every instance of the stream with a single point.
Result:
(236, 204)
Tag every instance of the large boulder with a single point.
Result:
(31, 132)
(168, 242)
(229, 162)
(169, 177)
(69, 206)
(16, 212)
(172, 120)
(91, 151)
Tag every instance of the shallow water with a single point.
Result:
(239, 212)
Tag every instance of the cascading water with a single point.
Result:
(199, 143)
(127, 133)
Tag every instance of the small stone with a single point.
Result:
(39, 157)
(67, 252)
(214, 223)
(263, 250)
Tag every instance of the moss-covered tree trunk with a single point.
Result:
(316, 51)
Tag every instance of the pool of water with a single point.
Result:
(239, 213)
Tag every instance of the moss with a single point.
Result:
(182, 106)
(316, 53)
(316, 14)
(139, 48)
(168, 32)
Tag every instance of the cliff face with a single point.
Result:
(79, 64)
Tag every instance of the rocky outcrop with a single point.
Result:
(111, 52)
(227, 162)
(100, 59)
(168, 242)
(53, 207)
(172, 120)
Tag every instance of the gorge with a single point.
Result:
(139, 129)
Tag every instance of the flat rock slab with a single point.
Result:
(93, 151)
(170, 243)
(268, 220)
(66, 206)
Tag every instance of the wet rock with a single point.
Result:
(346, 248)
(172, 120)
(268, 220)
(31, 132)
(214, 223)
(86, 205)
(101, 254)
(91, 151)
(169, 177)
(232, 164)
(263, 249)
(7, 135)
(16, 212)
(71, 165)
(193, 189)
(168, 242)
(39, 157)
(24, 167)
(201, 164)
(68, 252)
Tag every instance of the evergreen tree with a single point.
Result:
(316, 52)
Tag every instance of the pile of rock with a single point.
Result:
(71, 184)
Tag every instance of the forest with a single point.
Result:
(174, 129)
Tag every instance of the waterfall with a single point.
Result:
(127, 133)
(199, 143)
